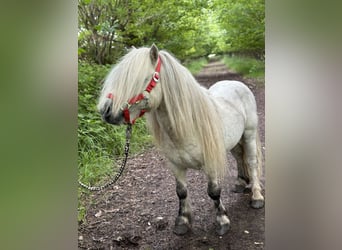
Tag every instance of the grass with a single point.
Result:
(246, 66)
(195, 66)
(96, 160)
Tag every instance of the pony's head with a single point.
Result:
(132, 87)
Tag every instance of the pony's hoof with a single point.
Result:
(182, 226)
(181, 229)
(222, 229)
(257, 203)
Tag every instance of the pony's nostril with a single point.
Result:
(107, 111)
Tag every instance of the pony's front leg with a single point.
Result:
(183, 220)
(214, 192)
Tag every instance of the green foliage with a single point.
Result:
(244, 25)
(188, 29)
(247, 66)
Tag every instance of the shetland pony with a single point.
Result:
(194, 127)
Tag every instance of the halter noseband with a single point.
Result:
(136, 99)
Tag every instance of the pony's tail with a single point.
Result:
(259, 155)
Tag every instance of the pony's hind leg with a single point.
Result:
(183, 220)
(243, 177)
(252, 157)
(222, 220)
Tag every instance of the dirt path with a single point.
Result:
(139, 212)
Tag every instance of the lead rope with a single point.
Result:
(123, 164)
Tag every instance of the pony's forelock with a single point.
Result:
(127, 78)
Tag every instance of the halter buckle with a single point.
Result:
(155, 76)
(126, 105)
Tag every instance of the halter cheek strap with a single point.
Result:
(136, 99)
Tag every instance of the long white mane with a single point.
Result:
(191, 113)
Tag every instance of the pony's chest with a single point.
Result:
(187, 155)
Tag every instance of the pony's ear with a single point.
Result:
(154, 53)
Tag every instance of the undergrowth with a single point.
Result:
(246, 66)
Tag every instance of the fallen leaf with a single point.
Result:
(98, 214)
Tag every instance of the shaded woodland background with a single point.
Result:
(188, 29)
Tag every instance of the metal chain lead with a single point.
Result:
(122, 167)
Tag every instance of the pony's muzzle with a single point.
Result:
(108, 116)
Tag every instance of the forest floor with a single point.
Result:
(139, 211)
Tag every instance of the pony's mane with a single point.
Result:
(191, 113)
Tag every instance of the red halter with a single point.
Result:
(136, 99)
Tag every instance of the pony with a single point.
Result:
(194, 127)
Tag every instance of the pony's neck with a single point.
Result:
(164, 120)
(160, 126)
